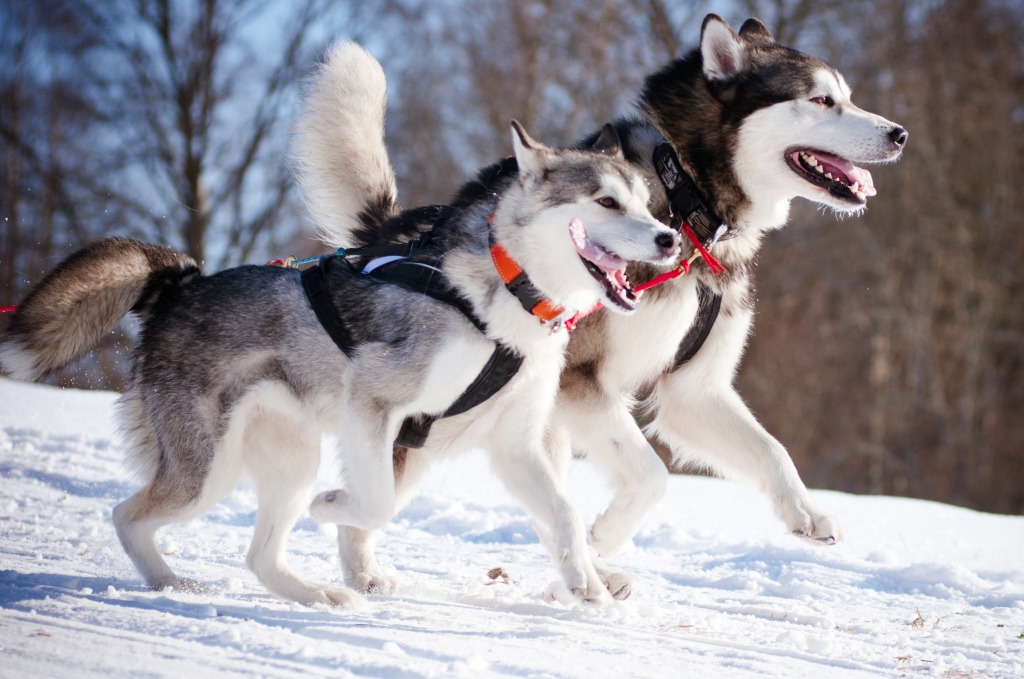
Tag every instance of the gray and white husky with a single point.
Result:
(753, 124)
(237, 371)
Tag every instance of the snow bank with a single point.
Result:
(919, 588)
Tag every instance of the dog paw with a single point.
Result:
(329, 595)
(595, 597)
(819, 529)
(590, 590)
(326, 507)
(598, 599)
(372, 583)
(619, 585)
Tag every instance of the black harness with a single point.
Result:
(687, 205)
(422, 277)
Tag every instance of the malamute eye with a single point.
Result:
(608, 202)
(824, 100)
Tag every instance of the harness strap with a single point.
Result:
(686, 201)
(314, 283)
(500, 368)
(708, 305)
(692, 215)
(425, 278)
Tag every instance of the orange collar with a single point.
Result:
(519, 284)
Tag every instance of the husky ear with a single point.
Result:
(721, 49)
(608, 142)
(529, 153)
(753, 30)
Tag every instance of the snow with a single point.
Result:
(918, 588)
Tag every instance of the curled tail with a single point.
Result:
(83, 299)
(340, 160)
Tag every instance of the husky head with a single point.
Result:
(759, 124)
(575, 217)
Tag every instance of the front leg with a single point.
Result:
(530, 477)
(715, 427)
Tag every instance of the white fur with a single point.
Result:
(843, 130)
(270, 437)
(18, 361)
(340, 169)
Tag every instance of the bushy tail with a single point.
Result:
(340, 160)
(83, 299)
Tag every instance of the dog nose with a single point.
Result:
(667, 241)
(898, 135)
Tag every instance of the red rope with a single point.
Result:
(713, 263)
(683, 268)
(5, 309)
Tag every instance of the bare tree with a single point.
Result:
(163, 120)
(462, 70)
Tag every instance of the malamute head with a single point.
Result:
(575, 217)
(759, 124)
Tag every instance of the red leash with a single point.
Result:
(683, 268)
(5, 309)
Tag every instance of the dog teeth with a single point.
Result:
(828, 175)
(809, 159)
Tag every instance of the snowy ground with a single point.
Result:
(918, 589)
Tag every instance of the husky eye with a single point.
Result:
(824, 100)
(608, 202)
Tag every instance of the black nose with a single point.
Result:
(666, 241)
(898, 135)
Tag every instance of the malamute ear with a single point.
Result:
(721, 48)
(753, 30)
(608, 142)
(529, 153)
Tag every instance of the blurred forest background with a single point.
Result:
(888, 353)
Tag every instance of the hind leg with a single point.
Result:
(282, 457)
(191, 469)
(167, 499)
(356, 546)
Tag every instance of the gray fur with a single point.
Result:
(64, 317)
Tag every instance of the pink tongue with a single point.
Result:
(589, 251)
(854, 173)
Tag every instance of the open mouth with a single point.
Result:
(606, 267)
(838, 176)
